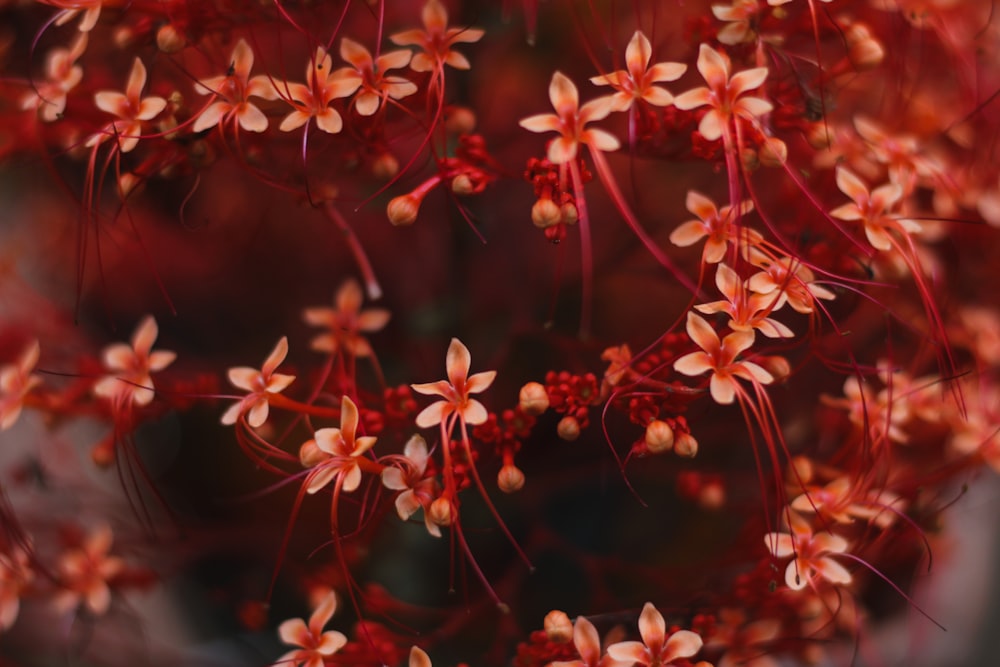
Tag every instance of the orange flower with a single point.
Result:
(636, 81)
(719, 358)
(747, 311)
(260, 384)
(810, 554)
(335, 452)
(569, 121)
(85, 573)
(656, 648)
(436, 40)
(16, 381)
(345, 322)
(130, 108)
(62, 75)
(368, 74)
(715, 225)
(873, 208)
(235, 90)
(314, 644)
(455, 390)
(725, 93)
(131, 366)
(312, 99)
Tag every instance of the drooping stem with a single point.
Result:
(372, 286)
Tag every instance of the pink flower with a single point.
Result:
(312, 100)
(62, 75)
(656, 648)
(335, 451)
(131, 366)
(16, 382)
(570, 120)
(418, 490)
(437, 39)
(130, 108)
(747, 310)
(85, 573)
(368, 74)
(260, 384)
(455, 390)
(717, 226)
(345, 322)
(874, 209)
(15, 576)
(719, 358)
(235, 90)
(725, 94)
(636, 81)
(588, 647)
(314, 644)
(810, 554)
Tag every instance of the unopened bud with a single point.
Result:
(169, 39)
(440, 512)
(462, 185)
(385, 166)
(659, 436)
(864, 50)
(685, 445)
(545, 213)
(569, 213)
(773, 152)
(310, 454)
(510, 479)
(403, 210)
(460, 120)
(533, 399)
(558, 627)
(712, 496)
(776, 366)
(568, 429)
(103, 453)
(800, 469)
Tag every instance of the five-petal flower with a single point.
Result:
(312, 99)
(369, 75)
(335, 451)
(235, 89)
(437, 39)
(261, 384)
(314, 645)
(130, 108)
(656, 649)
(16, 381)
(131, 366)
(455, 390)
(345, 322)
(636, 81)
(570, 120)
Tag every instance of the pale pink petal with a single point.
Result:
(439, 388)
(111, 102)
(352, 478)
(118, 357)
(474, 413)
(293, 121)
(795, 578)
(367, 103)
(232, 414)
(610, 79)
(393, 60)
(407, 502)
(330, 642)
(408, 38)
(329, 121)
(661, 72)
(466, 35)
(722, 388)
(90, 17)
(294, 632)
(251, 118)
(711, 124)
(692, 99)
(545, 122)
(422, 62)
(851, 185)
(728, 282)
(457, 362)
(319, 478)
(433, 414)
(693, 364)
(136, 81)
(211, 116)
(830, 543)
(563, 94)
(652, 627)
(373, 319)
(480, 382)
(261, 86)
(878, 237)
(780, 544)
(629, 652)
(348, 419)
(832, 571)
(400, 88)
(417, 656)
(846, 212)
(747, 80)
(562, 150)
(242, 60)
(702, 333)
(601, 140)
(587, 641)
(258, 413)
(355, 54)
(638, 52)
(657, 96)
(688, 233)
(243, 377)
(752, 107)
(331, 441)
(681, 644)
(150, 107)
(274, 359)
(99, 599)
(713, 66)
(597, 109)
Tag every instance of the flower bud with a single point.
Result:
(310, 454)
(403, 210)
(103, 454)
(510, 479)
(385, 166)
(460, 120)
(440, 512)
(533, 399)
(569, 213)
(545, 213)
(169, 39)
(462, 185)
(659, 437)
(864, 50)
(712, 495)
(773, 152)
(558, 627)
(685, 445)
(568, 429)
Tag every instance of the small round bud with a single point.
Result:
(310, 454)
(568, 429)
(510, 479)
(864, 50)
(440, 512)
(462, 185)
(533, 399)
(712, 495)
(685, 445)
(773, 152)
(169, 39)
(545, 213)
(385, 166)
(569, 214)
(460, 120)
(103, 454)
(558, 627)
(403, 210)
(659, 437)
